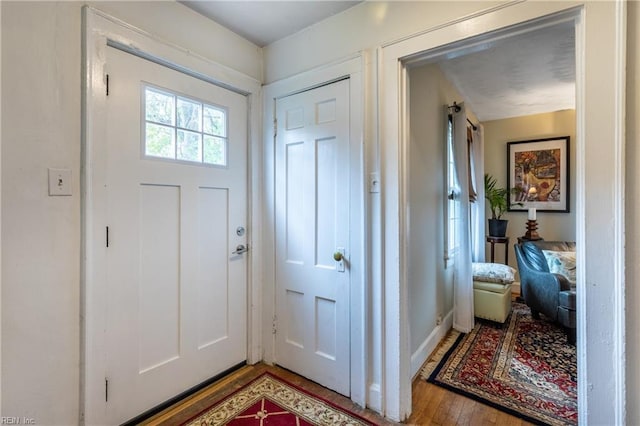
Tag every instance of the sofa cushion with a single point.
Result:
(562, 262)
(532, 251)
(493, 272)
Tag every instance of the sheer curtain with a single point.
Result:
(463, 320)
(476, 154)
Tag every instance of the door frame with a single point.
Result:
(353, 69)
(98, 31)
(600, 74)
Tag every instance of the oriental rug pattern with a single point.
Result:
(271, 401)
(524, 367)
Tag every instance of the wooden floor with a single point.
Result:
(432, 405)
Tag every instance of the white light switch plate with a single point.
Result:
(59, 182)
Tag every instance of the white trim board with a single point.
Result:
(98, 29)
(419, 357)
(352, 68)
(600, 45)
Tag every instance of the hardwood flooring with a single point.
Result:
(432, 405)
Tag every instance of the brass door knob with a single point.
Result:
(337, 256)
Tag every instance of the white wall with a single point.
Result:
(429, 282)
(333, 40)
(379, 23)
(41, 124)
(365, 26)
(41, 236)
(183, 27)
(633, 213)
(551, 226)
(40, 270)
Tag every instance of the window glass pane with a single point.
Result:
(215, 121)
(189, 146)
(159, 141)
(215, 150)
(159, 107)
(189, 114)
(184, 129)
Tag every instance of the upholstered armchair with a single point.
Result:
(546, 292)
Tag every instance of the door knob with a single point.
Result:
(337, 256)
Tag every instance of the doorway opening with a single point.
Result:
(514, 88)
(604, 118)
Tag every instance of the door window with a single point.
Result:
(183, 129)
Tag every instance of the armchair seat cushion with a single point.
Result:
(568, 299)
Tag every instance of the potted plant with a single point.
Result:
(497, 198)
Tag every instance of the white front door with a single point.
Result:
(312, 224)
(176, 203)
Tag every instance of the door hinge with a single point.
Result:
(274, 325)
(107, 83)
(275, 127)
(106, 389)
(107, 236)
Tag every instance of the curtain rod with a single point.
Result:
(457, 109)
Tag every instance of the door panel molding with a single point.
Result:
(351, 68)
(99, 29)
(312, 223)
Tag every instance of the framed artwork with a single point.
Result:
(538, 175)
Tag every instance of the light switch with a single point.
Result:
(59, 182)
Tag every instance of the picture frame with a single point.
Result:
(538, 175)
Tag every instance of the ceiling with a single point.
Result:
(263, 22)
(526, 74)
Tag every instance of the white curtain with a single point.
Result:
(463, 320)
(478, 208)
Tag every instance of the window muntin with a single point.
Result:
(183, 129)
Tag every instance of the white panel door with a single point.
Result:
(176, 306)
(312, 223)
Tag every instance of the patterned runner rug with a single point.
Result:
(270, 401)
(523, 367)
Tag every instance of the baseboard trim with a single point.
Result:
(419, 357)
(375, 398)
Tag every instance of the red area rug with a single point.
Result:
(523, 367)
(271, 401)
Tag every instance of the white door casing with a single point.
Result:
(599, 26)
(176, 295)
(99, 31)
(353, 68)
(312, 224)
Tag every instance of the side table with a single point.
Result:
(499, 240)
